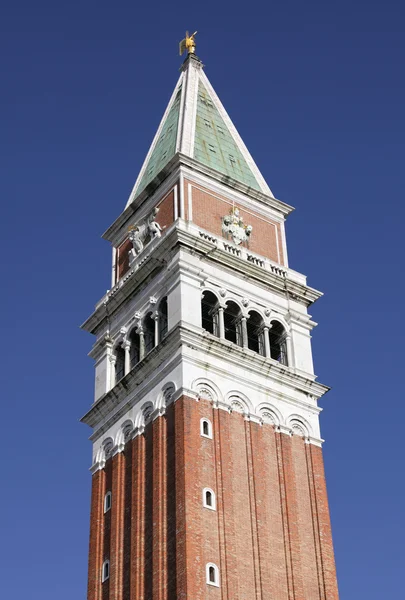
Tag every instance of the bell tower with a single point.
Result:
(207, 471)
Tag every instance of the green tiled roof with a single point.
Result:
(214, 145)
(165, 148)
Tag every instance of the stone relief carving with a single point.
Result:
(234, 227)
(143, 233)
(108, 446)
(127, 430)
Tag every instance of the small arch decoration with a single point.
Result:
(147, 412)
(108, 446)
(239, 402)
(127, 430)
(269, 414)
(206, 389)
(299, 426)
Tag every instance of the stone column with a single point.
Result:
(243, 321)
(221, 323)
(289, 350)
(141, 343)
(127, 347)
(113, 360)
(266, 336)
(155, 317)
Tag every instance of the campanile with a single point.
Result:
(207, 471)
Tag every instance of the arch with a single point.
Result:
(232, 322)
(127, 430)
(162, 312)
(209, 499)
(299, 426)
(254, 325)
(209, 315)
(146, 413)
(239, 402)
(212, 574)
(107, 446)
(207, 389)
(166, 395)
(270, 414)
(278, 342)
(149, 332)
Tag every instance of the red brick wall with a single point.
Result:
(209, 208)
(270, 535)
(165, 218)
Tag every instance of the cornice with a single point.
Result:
(210, 345)
(168, 176)
(143, 376)
(156, 254)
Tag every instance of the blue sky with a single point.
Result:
(317, 93)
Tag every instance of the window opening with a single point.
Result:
(119, 363)
(209, 499)
(208, 312)
(135, 348)
(233, 332)
(212, 574)
(162, 318)
(255, 334)
(106, 570)
(107, 502)
(278, 344)
(206, 428)
(149, 329)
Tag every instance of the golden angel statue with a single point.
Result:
(188, 44)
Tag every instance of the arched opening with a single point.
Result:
(206, 428)
(209, 499)
(162, 318)
(149, 332)
(212, 574)
(119, 363)
(107, 502)
(106, 571)
(278, 344)
(232, 323)
(254, 327)
(135, 355)
(209, 318)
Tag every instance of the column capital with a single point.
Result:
(126, 344)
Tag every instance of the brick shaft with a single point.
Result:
(270, 534)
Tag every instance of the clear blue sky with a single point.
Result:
(317, 91)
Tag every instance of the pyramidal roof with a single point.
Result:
(197, 125)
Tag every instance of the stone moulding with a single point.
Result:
(276, 278)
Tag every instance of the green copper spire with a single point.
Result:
(165, 147)
(214, 145)
(197, 125)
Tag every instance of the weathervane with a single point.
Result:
(188, 43)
